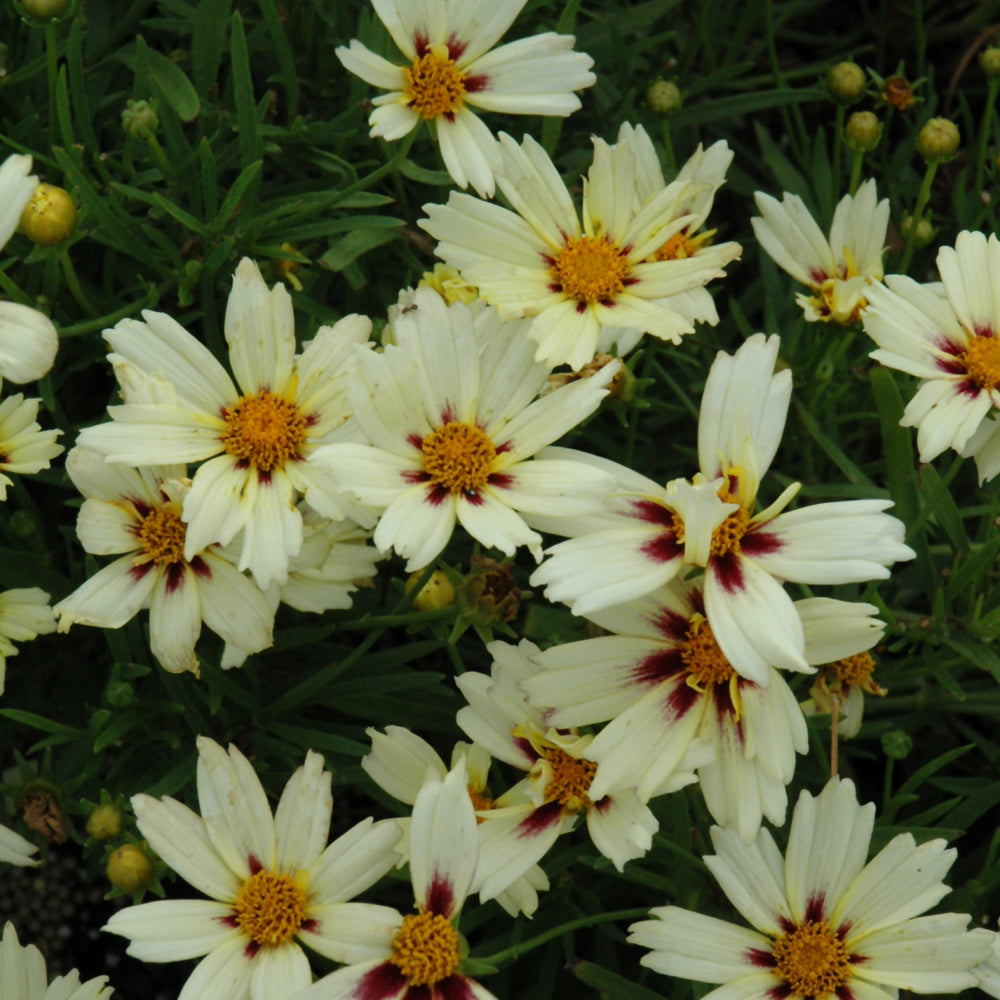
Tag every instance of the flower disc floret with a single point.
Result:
(264, 429)
(682, 246)
(270, 908)
(982, 361)
(705, 662)
(812, 959)
(458, 457)
(590, 269)
(435, 86)
(570, 781)
(726, 537)
(855, 669)
(161, 535)
(426, 949)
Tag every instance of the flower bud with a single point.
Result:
(104, 822)
(139, 118)
(989, 61)
(922, 236)
(435, 594)
(845, 83)
(129, 868)
(44, 10)
(663, 98)
(862, 131)
(50, 217)
(897, 92)
(938, 140)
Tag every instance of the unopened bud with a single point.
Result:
(50, 217)
(938, 140)
(989, 61)
(923, 234)
(663, 98)
(845, 82)
(129, 868)
(435, 594)
(44, 10)
(104, 822)
(863, 131)
(139, 118)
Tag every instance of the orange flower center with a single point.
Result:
(812, 960)
(161, 536)
(982, 361)
(590, 269)
(458, 457)
(426, 949)
(434, 84)
(265, 430)
(681, 246)
(270, 908)
(705, 662)
(570, 781)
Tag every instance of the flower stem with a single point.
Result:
(515, 951)
(52, 68)
(985, 130)
(859, 158)
(918, 213)
(838, 151)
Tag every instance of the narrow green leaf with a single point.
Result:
(78, 87)
(897, 444)
(831, 449)
(173, 84)
(63, 112)
(208, 42)
(247, 176)
(967, 574)
(610, 984)
(346, 250)
(209, 178)
(941, 505)
(286, 61)
(789, 178)
(741, 104)
(251, 145)
(40, 722)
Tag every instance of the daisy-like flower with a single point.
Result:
(28, 340)
(561, 772)
(24, 447)
(400, 761)
(273, 882)
(841, 270)
(651, 532)
(24, 977)
(663, 681)
(420, 954)
(25, 613)
(573, 278)
(825, 924)
(952, 343)
(136, 514)
(258, 439)
(335, 559)
(451, 414)
(452, 67)
(15, 850)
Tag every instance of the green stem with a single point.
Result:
(985, 130)
(79, 329)
(515, 951)
(376, 175)
(74, 285)
(668, 146)
(859, 158)
(159, 156)
(52, 69)
(838, 150)
(918, 213)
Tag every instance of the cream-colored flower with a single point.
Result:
(24, 614)
(24, 447)
(15, 850)
(23, 975)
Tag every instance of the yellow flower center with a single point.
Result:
(726, 537)
(590, 269)
(812, 959)
(161, 535)
(264, 430)
(705, 662)
(434, 84)
(426, 949)
(270, 908)
(681, 246)
(481, 801)
(982, 361)
(570, 781)
(458, 457)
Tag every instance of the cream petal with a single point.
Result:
(351, 932)
(175, 619)
(171, 930)
(302, 819)
(28, 343)
(399, 761)
(354, 861)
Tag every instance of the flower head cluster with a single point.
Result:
(452, 67)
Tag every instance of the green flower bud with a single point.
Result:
(50, 217)
(862, 131)
(139, 118)
(104, 822)
(663, 97)
(845, 83)
(922, 236)
(129, 868)
(938, 140)
(44, 10)
(989, 61)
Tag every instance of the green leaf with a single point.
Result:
(239, 187)
(208, 41)
(741, 104)
(833, 450)
(286, 60)
(345, 251)
(40, 722)
(610, 984)
(251, 145)
(174, 86)
(437, 178)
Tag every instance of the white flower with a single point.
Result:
(182, 406)
(23, 975)
(136, 514)
(453, 67)
(952, 343)
(419, 955)
(988, 973)
(651, 532)
(24, 446)
(560, 772)
(15, 850)
(334, 560)
(28, 340)
(24, 614)
(841, 270)
(825, 924)
(574, 278)
(399, 762)
(453, 421)
(273, 882)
